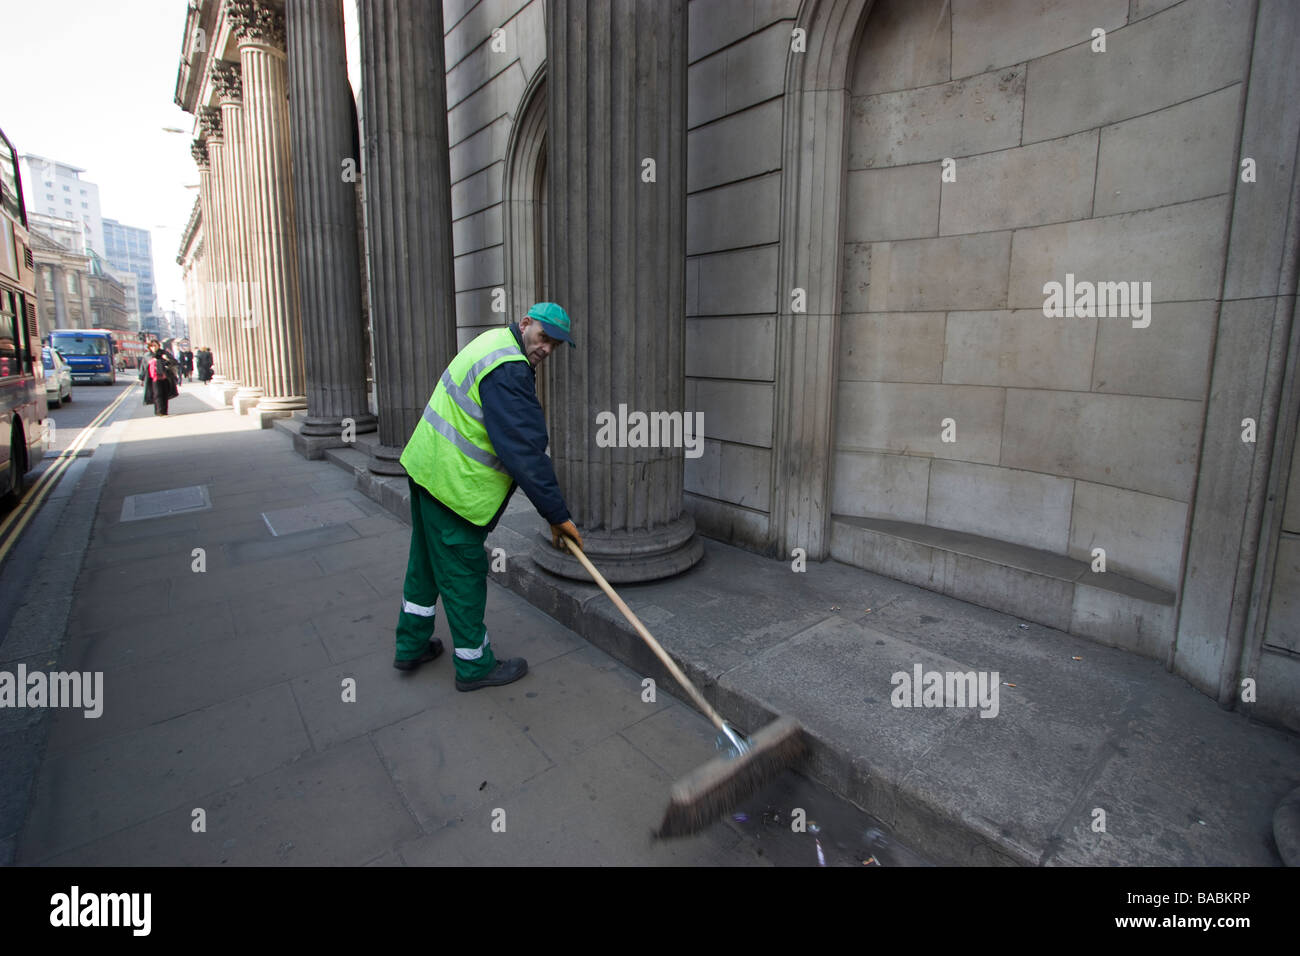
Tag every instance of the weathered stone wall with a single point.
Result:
(1071, 433)
(735, 87)
(486, 78)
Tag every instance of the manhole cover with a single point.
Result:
(160, 504)
(306, 517)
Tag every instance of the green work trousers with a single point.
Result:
(447, 560)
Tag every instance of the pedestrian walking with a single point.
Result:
(161, 375)
(187, 363)
(482, 435)
(204, 362)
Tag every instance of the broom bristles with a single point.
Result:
(708, 792)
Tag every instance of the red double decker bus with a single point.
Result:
(22, 376)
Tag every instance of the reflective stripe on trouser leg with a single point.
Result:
(461, 568)
(415, 622)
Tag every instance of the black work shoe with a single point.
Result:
(505, 672)
(433, 650)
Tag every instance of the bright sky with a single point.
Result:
(90, 83)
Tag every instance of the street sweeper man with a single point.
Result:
(481, 436)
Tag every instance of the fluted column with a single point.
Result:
(194, 304)
(216, 212)
(195, 290)
(323, 137)
(239, 241)
(616, 74)
(259, 31)
(408, 212)
(202, 257)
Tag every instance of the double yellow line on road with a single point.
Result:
(12, 526)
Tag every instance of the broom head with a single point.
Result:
(724, 782)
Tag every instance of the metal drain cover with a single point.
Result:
(162, 504)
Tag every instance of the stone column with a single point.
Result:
(259, 30)
(190, 277)
(199, 279)
(617, 99)
(60, 303)
(408, 212)
(199, 272)
(213, 191)
(323, 128)
(243, 269)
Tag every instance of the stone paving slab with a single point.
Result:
(449, 761)
(131, 643)
(288, 817)
(619, 810)
(86, 794)
(193, 677)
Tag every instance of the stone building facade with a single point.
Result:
(992, 296)
(76, 291)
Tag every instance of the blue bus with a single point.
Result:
(88, 352)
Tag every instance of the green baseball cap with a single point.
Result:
(554, 321)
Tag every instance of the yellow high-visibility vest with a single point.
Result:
(449, 453)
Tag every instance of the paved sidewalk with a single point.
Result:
(224, 692)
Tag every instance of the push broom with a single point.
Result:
(709, 791)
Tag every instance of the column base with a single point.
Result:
(627, 557)
(384, 460)
(249, 396)
(324, 426)
(283, 403)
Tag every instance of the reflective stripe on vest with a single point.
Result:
(450, 453)
(466, 447)
(460, 392)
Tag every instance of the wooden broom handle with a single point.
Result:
(668, 662)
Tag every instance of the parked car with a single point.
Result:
(58, 377)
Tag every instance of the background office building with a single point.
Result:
(130, 249)
(56, 189)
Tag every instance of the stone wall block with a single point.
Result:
(1019, 506)
(960, 118)
(1142, 444)
(1141, 534)
(1025, 186)
(1019, 349)
(1194, 48)
(874, 485)
(892, 203)
(988, 34)
(1178, 249)
(908, 419)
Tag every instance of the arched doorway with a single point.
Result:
(526, 215)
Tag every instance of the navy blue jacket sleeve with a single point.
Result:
(517, 428)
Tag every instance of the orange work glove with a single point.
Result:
(569, 528)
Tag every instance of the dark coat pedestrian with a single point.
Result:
(204, 360)
(161, 374)
(187, 364)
